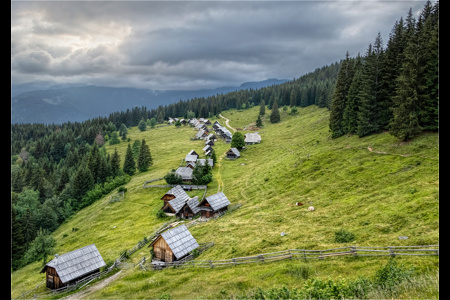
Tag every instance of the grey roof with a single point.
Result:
(252, 137)
(192, 152)
(218, 201)
(202, 162)
(200, 133)
(191, 157)
(193, 204)
(180, 240)
(177, 204)
(235, 151)
(184, 172)
(76, 263)
(179, 193)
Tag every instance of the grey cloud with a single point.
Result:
(183, 44)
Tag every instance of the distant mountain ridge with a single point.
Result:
(79, 103)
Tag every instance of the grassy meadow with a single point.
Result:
(375, 187)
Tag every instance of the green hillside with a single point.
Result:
(375, 187)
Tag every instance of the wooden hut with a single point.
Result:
(190, 209)
(72, 266)
(213, 204)
(252, 138)
(174, 244)
(176, 192)
(233, 153)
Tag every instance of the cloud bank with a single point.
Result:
(190, 45)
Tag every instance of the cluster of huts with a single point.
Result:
(177, 202)
(192, 159)
(169, 246)
(173, 244)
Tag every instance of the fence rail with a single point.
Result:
(308, 254)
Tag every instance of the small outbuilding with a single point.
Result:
(252, 138)
(176, 192)
(185, 173)
(233, 153)
(174, 244)
(71, 266)
(213, 204)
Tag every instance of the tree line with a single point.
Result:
(56, 170)
(394, 88)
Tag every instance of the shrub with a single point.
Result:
(391, 274)
(160, 214)
(343, 236)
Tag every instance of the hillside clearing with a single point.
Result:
(375, 196)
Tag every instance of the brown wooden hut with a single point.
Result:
(174, 244)
(213, 204)
(72, 266)
(178, 193)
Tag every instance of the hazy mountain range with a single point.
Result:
(42, 102)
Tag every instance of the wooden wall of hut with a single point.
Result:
(52, 279)
(162, 251)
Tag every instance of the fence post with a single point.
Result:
(234, 260)
(289, 252)
(261, 257)
(210, 263)
(391, 251)
(354, 251)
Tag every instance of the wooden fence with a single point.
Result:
(310, 254)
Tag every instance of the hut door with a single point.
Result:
(163, 255)
(50, 283)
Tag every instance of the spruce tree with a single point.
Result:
(144, 160)
(258, 121)
(275, 114)
(350, 116)
(129, 165)
(371, 116)
(262, 108)
(82, 182)
(339, 99)
(405, 122)
(115, 163)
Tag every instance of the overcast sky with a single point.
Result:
(190, 44)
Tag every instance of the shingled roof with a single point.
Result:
(193, 205)
(180, 240)
(179, 193)
(217, 201)
(184, 172)
(76, 263)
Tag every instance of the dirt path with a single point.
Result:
(91, 289)
(226, 122)
(219, 176)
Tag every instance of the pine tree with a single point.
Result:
(405, 122)
(82, 182)
(115, 163)
(129, 165)
(17, 240)
(371, 117)
(350, 116)
(258, 121)
(339, 99)
(144, 160)
(262, 108)
(275, 114)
